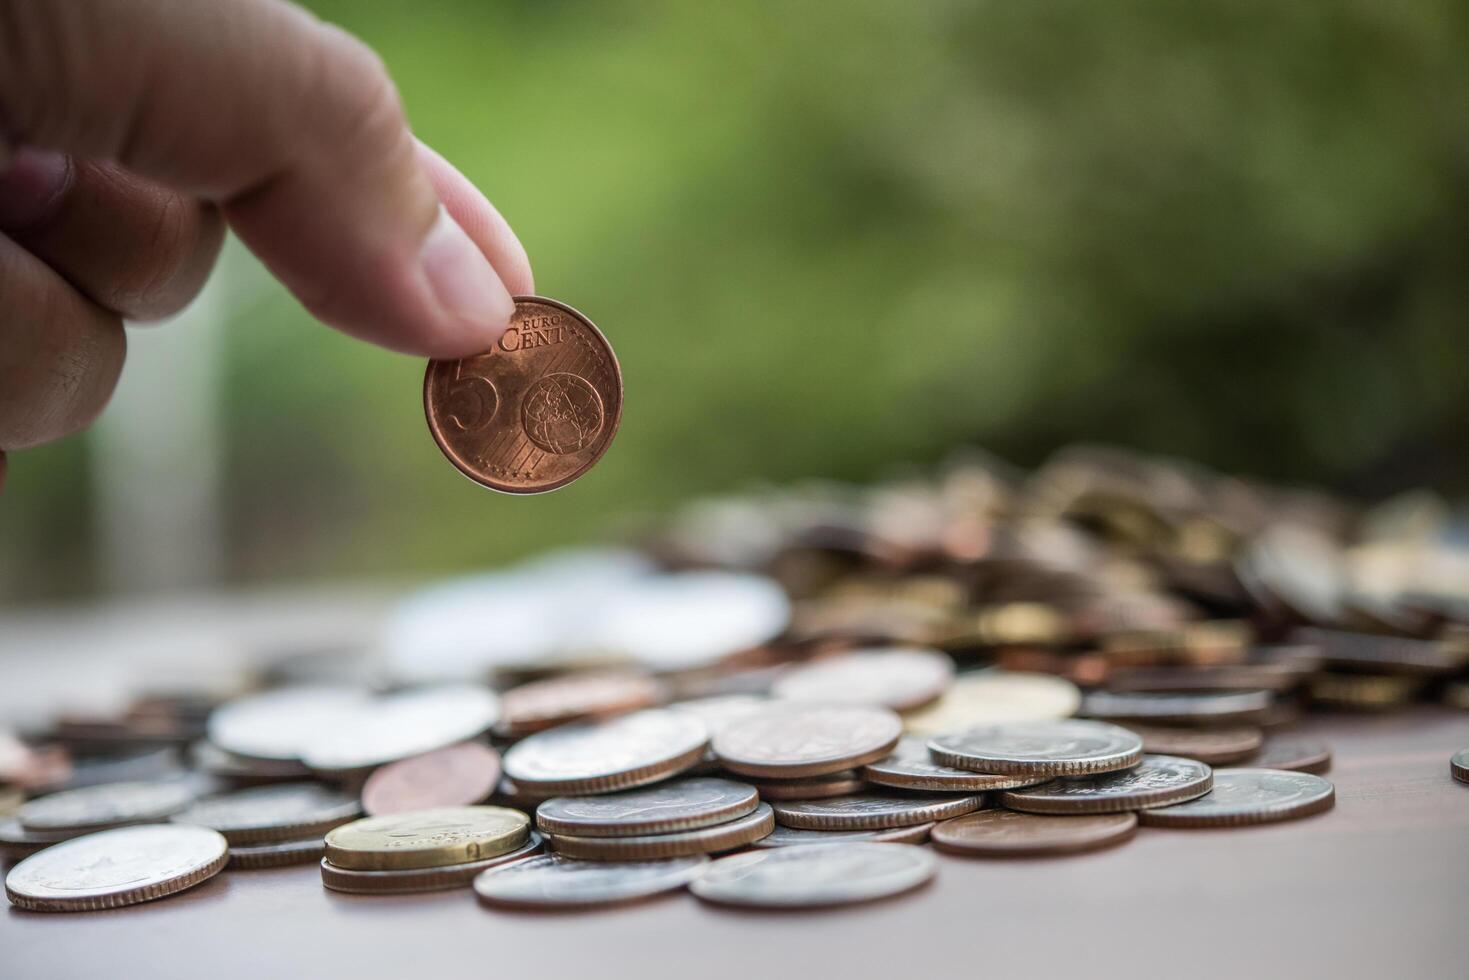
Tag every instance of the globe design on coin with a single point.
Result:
(561, 413)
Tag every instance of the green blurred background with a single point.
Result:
(827, 239)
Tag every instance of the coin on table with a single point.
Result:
(1459, 765)
(842, 783)
(555, 882)
(807, 877)
(427, 838)
(281, 725)
(873, 810)
(1231, 707)
(536, 410)
(118, 867)
(994, 696)
(402, 881)
(1365, 692)
(206, 757)
(544, 704)
(1054, 748)
(1156, 781)
(795, 837)
(409, 723)
(459, 775)
(1216, 746)
(272, 813)
(599, 757)
(1387, 654)
(1248, 796)
(17, 842)
(911, 767)
(900, 678)
(107, 805)
(720, 710)
(1293, 754)
(705, 840)
(681, 804)
(1005, 833)
(801, 739)
(276, 854)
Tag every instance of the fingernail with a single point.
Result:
(30, 186)
(463, 280)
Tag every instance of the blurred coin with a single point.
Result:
(11, 797)
(705, 840)
(1157, 780)
(398, 726)
(1293, 754)
(1055, 748)
(1456, 694)
(210, 758)
(1235, 677)
(1365, 692)
(598, 757)
(459, 775)
(793, 837)
(681, 804)
(911, 767)
(115, 868)
(1005, 833)
(283, 724)
(873, 811)
(900, 678)
(272, 813)
(807, 739)
(276, 854)
(407, 880)
(1459, 765)
(1216, 746)
(1248, 796)
(840, 783)
(534, 412)
(1295, 567)
(991, 697)
(508, 794)
(427, 838)
(17, 842)
(108, 805)
(693, 619)
(1235, 707)
(805, 877)
(551, 881)
(573, 697)
(1383, 654)
(720, 710)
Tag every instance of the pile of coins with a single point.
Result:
(780, 700)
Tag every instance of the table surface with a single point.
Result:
(1378, 887)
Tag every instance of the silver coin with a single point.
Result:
(871, 811)
(283, 724)
(1039, 747)
(692, 619)
(650, 847)
(841, 783)
(795, 740)
(274, 812)
(794, 837)
(805, 877)
(406, 724)
(556, 882)
(116, 867)
(1187, 709)
(911, 767)
(1248, 796)
(901, 678)
(720, 710)
(682, 804)
(1158, 780)
(107, 805)
(276, 854)
(618, 753)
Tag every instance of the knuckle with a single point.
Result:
(365, 112)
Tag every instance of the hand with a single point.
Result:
(132, 131)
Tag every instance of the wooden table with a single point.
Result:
(1377, 888)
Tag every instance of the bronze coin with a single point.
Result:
(652, 847)
(544, 704)
(1005, 833)
(459, 775)
(1216, 746)
(1297, 756)
(797, 739)
(534, 412)
(796, 837)
(1241, 797)
(1156, 781)
(872, 811)
(1459, 765)
(841, 783)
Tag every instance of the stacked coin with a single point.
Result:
(671, 819)
(270, 826)
(424, 850)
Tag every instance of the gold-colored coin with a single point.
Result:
(408, 880)
(427, 838)
(995, 696)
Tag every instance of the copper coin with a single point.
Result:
(872, 811)
(1216, 746)
(1459, 765)
(543, 704)
(1248, 796)
(402, 881)
(795, 837)
(911, 767)
(650, 847)
(1293, 755)
(534, 412)
(682, 804)
(1053, 748)
(797, 740)
(901, 678)
(1156, 781)
(841, 783)
(1005, 833)
(457, 776)
(276, 854)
